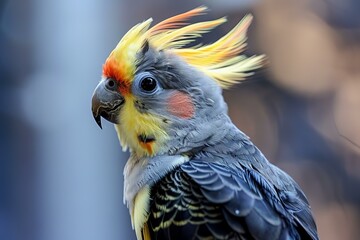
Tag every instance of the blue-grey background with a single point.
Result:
(61, 176)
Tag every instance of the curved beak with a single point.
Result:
(106, 103)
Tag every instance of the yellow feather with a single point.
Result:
(218, 60)
(239, 69)
(176, 21)
(129, 130)
(232, 40)
(125, 53)
(140, 212)
(146, 232)
(171, 38)
(227, 46)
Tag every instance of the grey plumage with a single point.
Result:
(192, 174)
(238, 195)
(227, 180)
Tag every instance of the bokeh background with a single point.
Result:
(61, 176)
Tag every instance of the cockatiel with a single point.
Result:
(192, 174)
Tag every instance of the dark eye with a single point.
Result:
(148, 84)
(110, 84)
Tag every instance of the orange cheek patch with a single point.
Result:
(181, 105)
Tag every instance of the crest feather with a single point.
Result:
(176, 21)
(177, 38)
(120, 64)
(220, 60)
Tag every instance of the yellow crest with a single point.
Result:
(219, 60)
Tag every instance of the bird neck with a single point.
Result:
(208, 134)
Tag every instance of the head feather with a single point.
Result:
(121, 62)
(176, 21)
(219, 60)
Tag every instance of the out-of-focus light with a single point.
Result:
(231, 4)
(300, 46)
(347, 113)
(337, 222)
(46, 102)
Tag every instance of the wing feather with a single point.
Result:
(230, 203)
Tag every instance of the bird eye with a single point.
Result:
(110, 84)
(148, 84)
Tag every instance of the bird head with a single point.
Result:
(157, 88)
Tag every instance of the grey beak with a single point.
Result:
(106, 102)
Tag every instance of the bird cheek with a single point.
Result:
(180, 104)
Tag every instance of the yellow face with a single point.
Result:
(133, 124)
(133, 128)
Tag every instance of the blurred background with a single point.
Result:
(61, 176)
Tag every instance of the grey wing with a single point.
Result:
(253, 205)
(208, 200)
(243, 207)
(179, 210)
